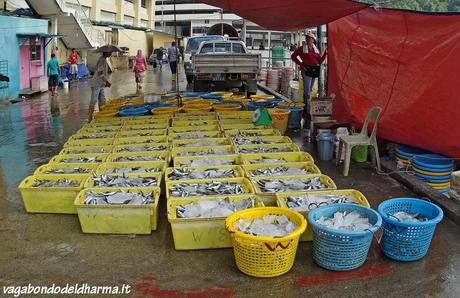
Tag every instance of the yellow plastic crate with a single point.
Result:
(284, 147)
(148, 120)
(308, 234)
(105, 135)
(183, 129)
(201, 233)
(118, 219)
(194, 135)
(235, 115)
(244, 182)
(232, 121)
(201, 122)
(103, 168)
(198, 142)
(86, 129)
(140, 140)
(244, 126)
(253, 132)
(45, 169)
(187, 161)
(310, 167)
(269, 199)
(203, 151)
(91, 142)
(87, 149)
(141, 133)
(101, 157)
(143, 126)
(238, 171)
(153, 147)
(107, 121)
(89, 182)
(248, 159)
(267, 139)
(163, 155)
(186, 116)
(50, 199)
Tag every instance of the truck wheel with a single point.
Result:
(200, 86)
(249, 94)
(189, 79)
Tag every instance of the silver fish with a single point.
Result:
(203, 162)
(89, 150)
(56, 183)
(81, 160)
(212, 208)
(243, 141)
(273, 186)
(123, 181)
(138, 158)
(182, 174)
(206, 188)
(208, 152)
(278, 171)
(310, 202)
(264, 150)
(132, 170)
(268, 160)
(76, 170)
(143, 148)
(118, 198)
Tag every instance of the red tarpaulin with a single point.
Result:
(286, 15)
(407, 63)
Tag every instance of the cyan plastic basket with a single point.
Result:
(407, 241)
(340, 250)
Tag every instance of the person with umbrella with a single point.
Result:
(100, 78)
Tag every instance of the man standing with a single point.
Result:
(173, 54)
(98, 83)
(159, 58)
(73, 59)
(309, 64)
(53, 73)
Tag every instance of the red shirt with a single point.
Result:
(312, 58)
(73, 58)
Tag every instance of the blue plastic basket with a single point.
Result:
(434, 161)
(133, 112)
(406, 241)
(341, 250)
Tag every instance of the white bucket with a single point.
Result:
(66, 84)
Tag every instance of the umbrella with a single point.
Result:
(108, 48)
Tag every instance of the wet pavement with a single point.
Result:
(43, 249)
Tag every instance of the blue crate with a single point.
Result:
(406, 241)
(341, 250)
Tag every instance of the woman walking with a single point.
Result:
(139, 68)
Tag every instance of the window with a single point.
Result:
(237, 48)
(206, 21)
(129, 20)
(107, 16)
(35, 52)
(207, 48)
(143, 3)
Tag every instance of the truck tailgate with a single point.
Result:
(226, 63)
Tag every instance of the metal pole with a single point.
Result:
(319, 32)
(222, 22)
(177, 57)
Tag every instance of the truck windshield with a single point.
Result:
(194, 43)
(218, 47)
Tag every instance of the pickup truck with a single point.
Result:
(193, 44)
(225, 65)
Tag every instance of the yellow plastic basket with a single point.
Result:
(154, 156)
(183, 129)
(61, 158)
(103, 168)
(223, 93)
(244, 126)
(265, 256)
(90, 142)
(46, 169)
(244, 182)
(86, 150)
(50, 199)
(225, 121)
(199, 142)
(203, 151)
(227, 107)
(269, 198)
(252, 132)
(128, 133)
(280, 118)
(89, 182)
(118, 219)
(148, 126)
(237, 170)
(198, 122)
(249, 149)
(165, 111)
(147, 147)
(310, 167)
(195, 116)
(197, 108)
(201, 233)
(194, 135)
(266, 139)
(248, 159)
(141, 140)
(97, 129)
(281, 199)
(187, 161)
(262, 96)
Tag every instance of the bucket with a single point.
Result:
(325, 146)
(280, 118)
(295, 117)
(359, 153)
(197, 108)
(227, 107)
(65, 84)
(165, 111)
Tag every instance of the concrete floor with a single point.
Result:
(45, 249)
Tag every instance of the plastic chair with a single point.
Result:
(362, 139)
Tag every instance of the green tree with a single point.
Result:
(419, 5)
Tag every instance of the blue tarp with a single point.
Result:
(82, 71)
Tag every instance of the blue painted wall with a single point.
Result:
(9, 44)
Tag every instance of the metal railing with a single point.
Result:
(95, 36)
